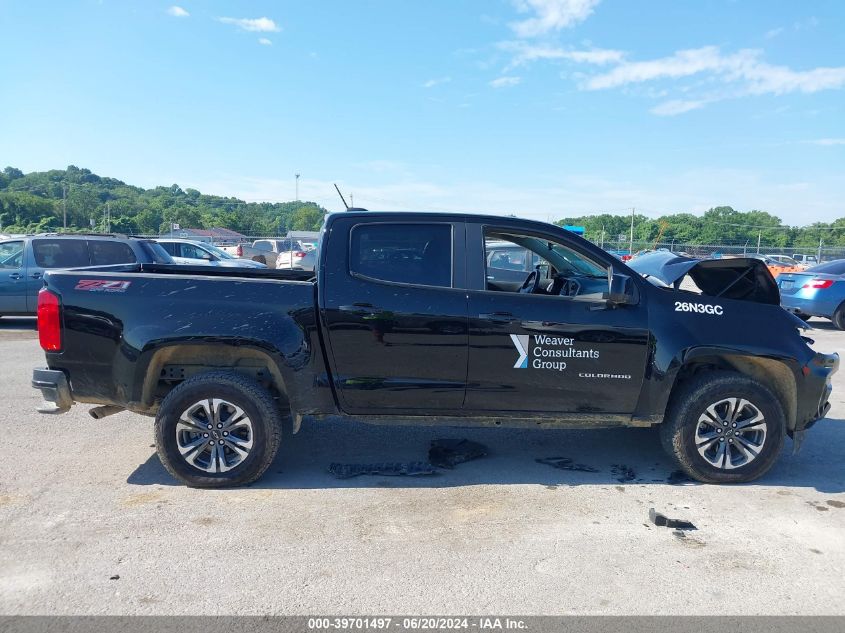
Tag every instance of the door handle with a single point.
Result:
(498, 317)
(361, 308)
(15, 276)
(36, 275)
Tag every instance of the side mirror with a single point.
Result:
(622, 290)
(207, 256)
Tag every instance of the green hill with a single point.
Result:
(33, 203)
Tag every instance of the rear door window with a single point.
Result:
(172, 248)
(419, 254)
(107, 253)
(61, 253)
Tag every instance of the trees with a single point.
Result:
(308, 217)
(33, 202)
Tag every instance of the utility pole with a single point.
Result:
(352, 200)
(759, 236)
(297, 187)
(601, 245)
(819, 255)
(108, 217)
(64, 206)
(631, 246)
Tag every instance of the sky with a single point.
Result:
(541, 108)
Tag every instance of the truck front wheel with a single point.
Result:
(217, 429)
(724, 427)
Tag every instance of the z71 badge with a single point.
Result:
(102, 285)
(701, 308)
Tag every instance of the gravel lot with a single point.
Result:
(92, 523)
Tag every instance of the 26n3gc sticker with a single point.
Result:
(700, 308)
(102, 285)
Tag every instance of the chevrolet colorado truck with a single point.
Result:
(405, 320)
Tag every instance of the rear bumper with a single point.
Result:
(54, 388)
(808, 305)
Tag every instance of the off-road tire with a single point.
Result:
(688, 403)
(838, 317)
(238, 389)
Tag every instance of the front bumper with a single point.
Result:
(816, 401)
(54, 388)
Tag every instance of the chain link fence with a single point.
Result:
(702, 251)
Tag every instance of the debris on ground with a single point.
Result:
(623, 473)
(679, 477)
(661, 520)
(565, 463)
(408, 469)
(447, 453)
(115, 577)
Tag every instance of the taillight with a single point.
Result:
(239, 251)
(49, 321)
(299, 254)
(818, 283)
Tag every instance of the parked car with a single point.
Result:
(296, 259)
(786, 260)
(23, 261)
(807, 260)
(402, 325)
(818, 291)
(194, 252)
(777, 267)
(265, 251)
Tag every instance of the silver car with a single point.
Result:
(203, 254)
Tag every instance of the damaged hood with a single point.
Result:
(742, 278)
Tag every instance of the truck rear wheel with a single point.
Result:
(723, 427)
(218, 429)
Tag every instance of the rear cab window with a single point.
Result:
(417, 254)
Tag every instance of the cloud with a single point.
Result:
(505, 82)
(678, 106)
(551, 15)
(260, 25)
(774, 32)
(828, 141)
(744, 69)
(436, 82)
(177, 12)
(264, 41)
(526, 53)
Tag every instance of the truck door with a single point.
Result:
(12, 277)
(560, 348)
(395, 312)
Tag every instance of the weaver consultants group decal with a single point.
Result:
(549, 352)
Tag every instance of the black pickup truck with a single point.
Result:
(441, 319)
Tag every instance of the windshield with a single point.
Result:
(156, 252)
(217, 251)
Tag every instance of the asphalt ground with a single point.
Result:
(91, 523)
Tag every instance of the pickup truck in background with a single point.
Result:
(404, 323)
(25, 259)
(265, 251)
